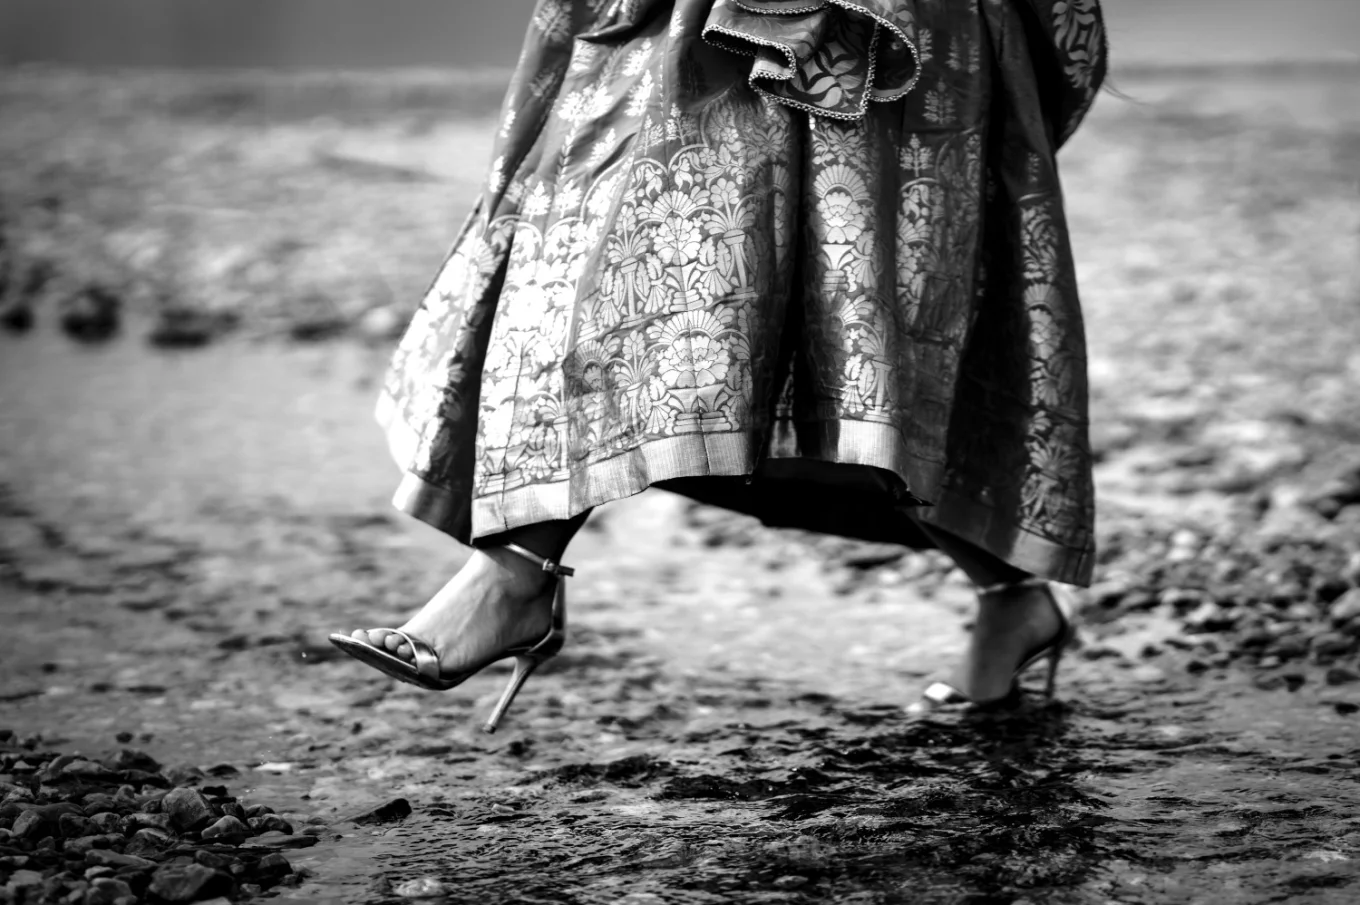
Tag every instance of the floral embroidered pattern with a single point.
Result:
(673, 274)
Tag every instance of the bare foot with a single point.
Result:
(1008, 627)
(496, 601)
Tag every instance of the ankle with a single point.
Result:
(516, 574)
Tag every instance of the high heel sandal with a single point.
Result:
(943, 696)
(425, 670)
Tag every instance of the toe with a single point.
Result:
(405, 652)
(392, 642)
(375, 637)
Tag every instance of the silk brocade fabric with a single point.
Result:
(802, 259)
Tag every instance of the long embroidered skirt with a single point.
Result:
(804, 259)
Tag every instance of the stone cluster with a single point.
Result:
(122, 830)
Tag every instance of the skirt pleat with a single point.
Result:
(803, 260)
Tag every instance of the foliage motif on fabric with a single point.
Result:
(627, 284)
(830, 57)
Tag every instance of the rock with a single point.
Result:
(104, 858)
(132, 759)
(383, 322)
(272, 866)
(106, 891)
(149, 842)
(86, 769)
(317, 328)
(258, 810)
(94, 873)
(187, 328)
(215, 860)
(189, 883)
(22, 879)
(1181, 598)
(422, 888)
(1293, 681)
(76, 848)
(107, 821)
(33, 824)
(279, 841)
(1328, 589)
(188, 810)
(17, 317)
(232, 808)
(1338, 676)
(396, 809)
(54, 766)
(139, 821)
(91, 315)
(228, 828)
(1333, 644)
(1290, 648)
(1345, 608)
(1271, 682)
(271, 823)
(1346, 708)
(72, 826)
(184, 775)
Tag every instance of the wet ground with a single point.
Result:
(711, 733)
(180, 529)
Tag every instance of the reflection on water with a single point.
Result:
(1137, 789)
(1059, 803)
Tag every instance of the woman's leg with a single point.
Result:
(1006, 626)
(497, 600)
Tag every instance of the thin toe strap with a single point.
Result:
(426, 660)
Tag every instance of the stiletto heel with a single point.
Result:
(423, 669)
(524, 668)
(942, 695)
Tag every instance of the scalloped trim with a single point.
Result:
(870, 94)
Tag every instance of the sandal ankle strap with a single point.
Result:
(1011, 587)
(548, 565)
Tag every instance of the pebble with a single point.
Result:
(280, 841)
(25, 878)
(396, 809)
(140, 821)
(74, 825)
(1333, 644)
(383, 322)
(176, 883)
(188, 810)
(149, 842)
(1345, 608)
(227, 828)
(107, 891)
(422, 888)
(91, 315)
(1339, 676)
(106, 821)
(266, 823)
(104, 858)
(273, 865)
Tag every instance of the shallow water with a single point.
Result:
(180, 531)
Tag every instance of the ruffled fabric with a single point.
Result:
(828, 57)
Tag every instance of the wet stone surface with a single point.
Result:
(180, 530)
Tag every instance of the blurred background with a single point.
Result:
(375, 33)
(216, 216)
